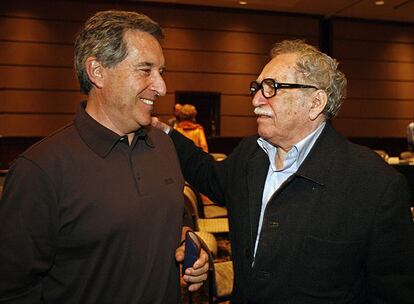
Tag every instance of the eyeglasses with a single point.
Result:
(269, 87)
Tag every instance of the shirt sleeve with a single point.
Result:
(28, 220)
(390, 264)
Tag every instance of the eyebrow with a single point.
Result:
(144, 64)
(147, 64)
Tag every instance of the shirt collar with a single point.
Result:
(99, 138)
(298, 152)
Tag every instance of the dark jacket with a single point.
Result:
(337, 231)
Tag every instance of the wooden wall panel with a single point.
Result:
(234, 109)
(378, 59)
(210, 62)
(171, 16)
(231, 105)
(380, 89)
(373, 50)
(17, 101)
(38, 30)
(207, 50)
(236, 21)
(164, 105)
(363, 127)
(208, 82)
(164, 117)
(376, 108)
(373, 31)
(224, 41)
(64, 32)
(46, 78)
(31, 125)
(240, 105)
(235, 126)
(55, 10)
(33, 54)
(381, 70)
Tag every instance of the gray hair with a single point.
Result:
(318, 69)
(102, 37)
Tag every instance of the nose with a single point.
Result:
(258, 99)
(158, 85)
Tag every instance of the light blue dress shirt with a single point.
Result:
(275, 178)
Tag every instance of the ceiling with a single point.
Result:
(391, 10)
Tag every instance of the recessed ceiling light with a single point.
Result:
(379, 2)
(242, 2)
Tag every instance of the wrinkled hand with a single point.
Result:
(196, 275)
(155, 122)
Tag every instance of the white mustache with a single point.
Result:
(262, 111)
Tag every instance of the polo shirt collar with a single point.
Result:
(99, 138)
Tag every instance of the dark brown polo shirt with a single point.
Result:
(87, 218)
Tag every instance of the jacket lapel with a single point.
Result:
(257, 168)
(316, 166)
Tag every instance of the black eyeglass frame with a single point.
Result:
(256, 86)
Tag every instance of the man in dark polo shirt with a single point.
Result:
(93, 213)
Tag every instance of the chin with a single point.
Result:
(267, 134)
(262, 132)
(145, 122)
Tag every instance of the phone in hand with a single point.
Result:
(192, 250)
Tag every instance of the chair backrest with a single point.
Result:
(214, 225)
(219, 156)
(210, 241)
(192, 200)
(382, 153)
(406, 155)
(220, 280)
(194, 197)
(223, 276)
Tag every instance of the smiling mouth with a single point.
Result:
(147, 101)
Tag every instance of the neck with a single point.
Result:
(280, 157)
(130, 137)
(97, 109)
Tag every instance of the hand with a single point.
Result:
(196, 275)
(155, 122)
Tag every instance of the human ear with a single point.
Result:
(319, 101)
(94, 69)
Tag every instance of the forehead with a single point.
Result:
(143, 47)
(282, 67)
